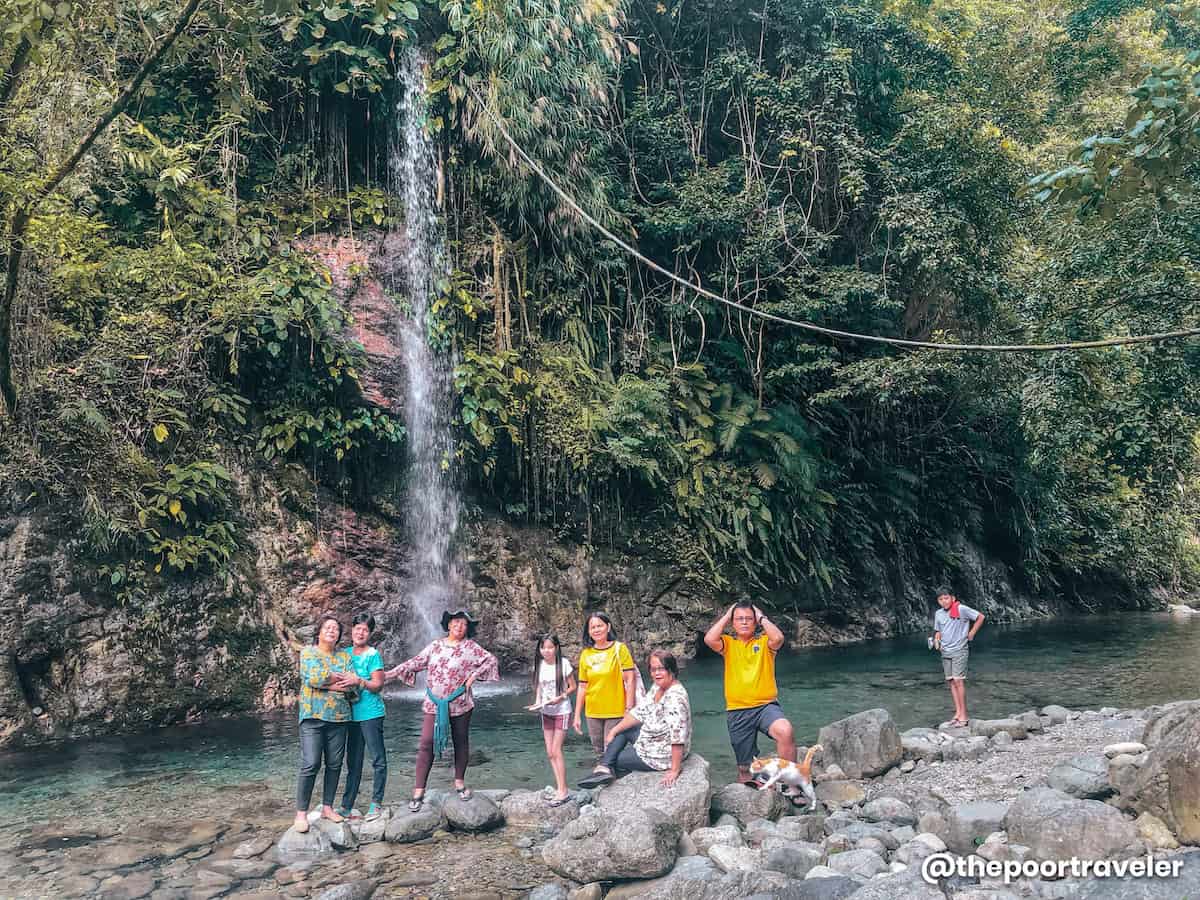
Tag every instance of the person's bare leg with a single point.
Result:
(785, 739)
(301, 822)
(554, 744)
(743, 775)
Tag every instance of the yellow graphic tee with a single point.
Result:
(749, 672)
(601, 669)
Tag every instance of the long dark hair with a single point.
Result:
(537, 661)
(603, 617)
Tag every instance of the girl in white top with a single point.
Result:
(553, 682)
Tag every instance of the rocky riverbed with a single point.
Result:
(1039, 785)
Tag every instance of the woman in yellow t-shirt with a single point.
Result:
(607, 681)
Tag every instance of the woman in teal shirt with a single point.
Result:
(366, 729)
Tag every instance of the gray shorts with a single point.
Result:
(744, 726)
(956, 666)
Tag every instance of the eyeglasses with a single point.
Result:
(657, 669)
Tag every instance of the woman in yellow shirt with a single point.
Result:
(607, 681)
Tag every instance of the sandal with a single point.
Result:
(597, 779)
(464, 793)
(415, 804)
(558, 801)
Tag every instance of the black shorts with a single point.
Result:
(744, 726)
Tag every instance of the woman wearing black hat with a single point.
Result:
(452, 664)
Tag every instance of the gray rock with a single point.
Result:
(593, 891)
(1186, 884)
(864, 745)
(725, 835)
(839, 794)
(352, 890)
(1133, 748)
(552, 891)
(891, 810)
(370, 831)
(736, 859)
(1055, 825)
(988, 727)
(1057, 714)
(968, 824)
(921, 743)
(915, 850)
(474, 815)
(409, 827)
(295, 847)
(829, 887)
(1002, 740)
(604, 846)
(1168, 783)
(1032, 722)
(1161, 720)
(965, 748)
(857, 864)
(794, 861)
(698, 878)
(1084, 777)
(747, 804)
(908, 885)
(856, 831)
(875, 845)
(759, 829)
(255, 846)
(800, 828)
(532, 808)
(686, 802)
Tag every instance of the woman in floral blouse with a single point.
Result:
(326, 674)
(452, 665)
(654, 736)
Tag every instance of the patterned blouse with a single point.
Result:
(448, 665)
(316, 667)
(664, 722)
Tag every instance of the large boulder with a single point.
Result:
(1162, 720)
(840, 794)
(864, 744)
(1084, 777)
(1055, 825)
(1168, 783)
(747, 804)
(891, 810)
(604, 846)
(968, 824)
(864, 864)
(698, 878)
(988, 727)
(718, 835)
(477, 814)
(531, 808)
(686, 802)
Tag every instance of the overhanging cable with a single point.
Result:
(810, 326)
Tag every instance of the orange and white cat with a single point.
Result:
(796, 777)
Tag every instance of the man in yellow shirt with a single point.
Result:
(751, 695)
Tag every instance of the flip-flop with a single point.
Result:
(415, 804)
(464, 793)
(558, 801)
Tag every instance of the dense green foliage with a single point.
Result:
(954, 169)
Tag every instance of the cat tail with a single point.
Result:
(806, 766)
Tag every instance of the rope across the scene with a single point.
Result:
(810, 326)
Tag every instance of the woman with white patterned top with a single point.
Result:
(654, 736)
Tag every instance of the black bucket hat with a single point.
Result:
(472, 623)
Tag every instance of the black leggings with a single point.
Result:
(320, 739)
(620, 754)
(460, 727)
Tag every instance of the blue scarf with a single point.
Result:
(441, 722)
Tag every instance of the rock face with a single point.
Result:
(1055, 825)
(864, 745)
(1168, 784)
(605, 846)
(686, 802)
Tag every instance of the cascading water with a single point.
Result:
(431, 504)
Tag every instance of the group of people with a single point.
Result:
(630, 728)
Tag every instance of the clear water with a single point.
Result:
(1122, 661)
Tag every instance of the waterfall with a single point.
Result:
(431, 503)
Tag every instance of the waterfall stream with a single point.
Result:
(431, 504)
